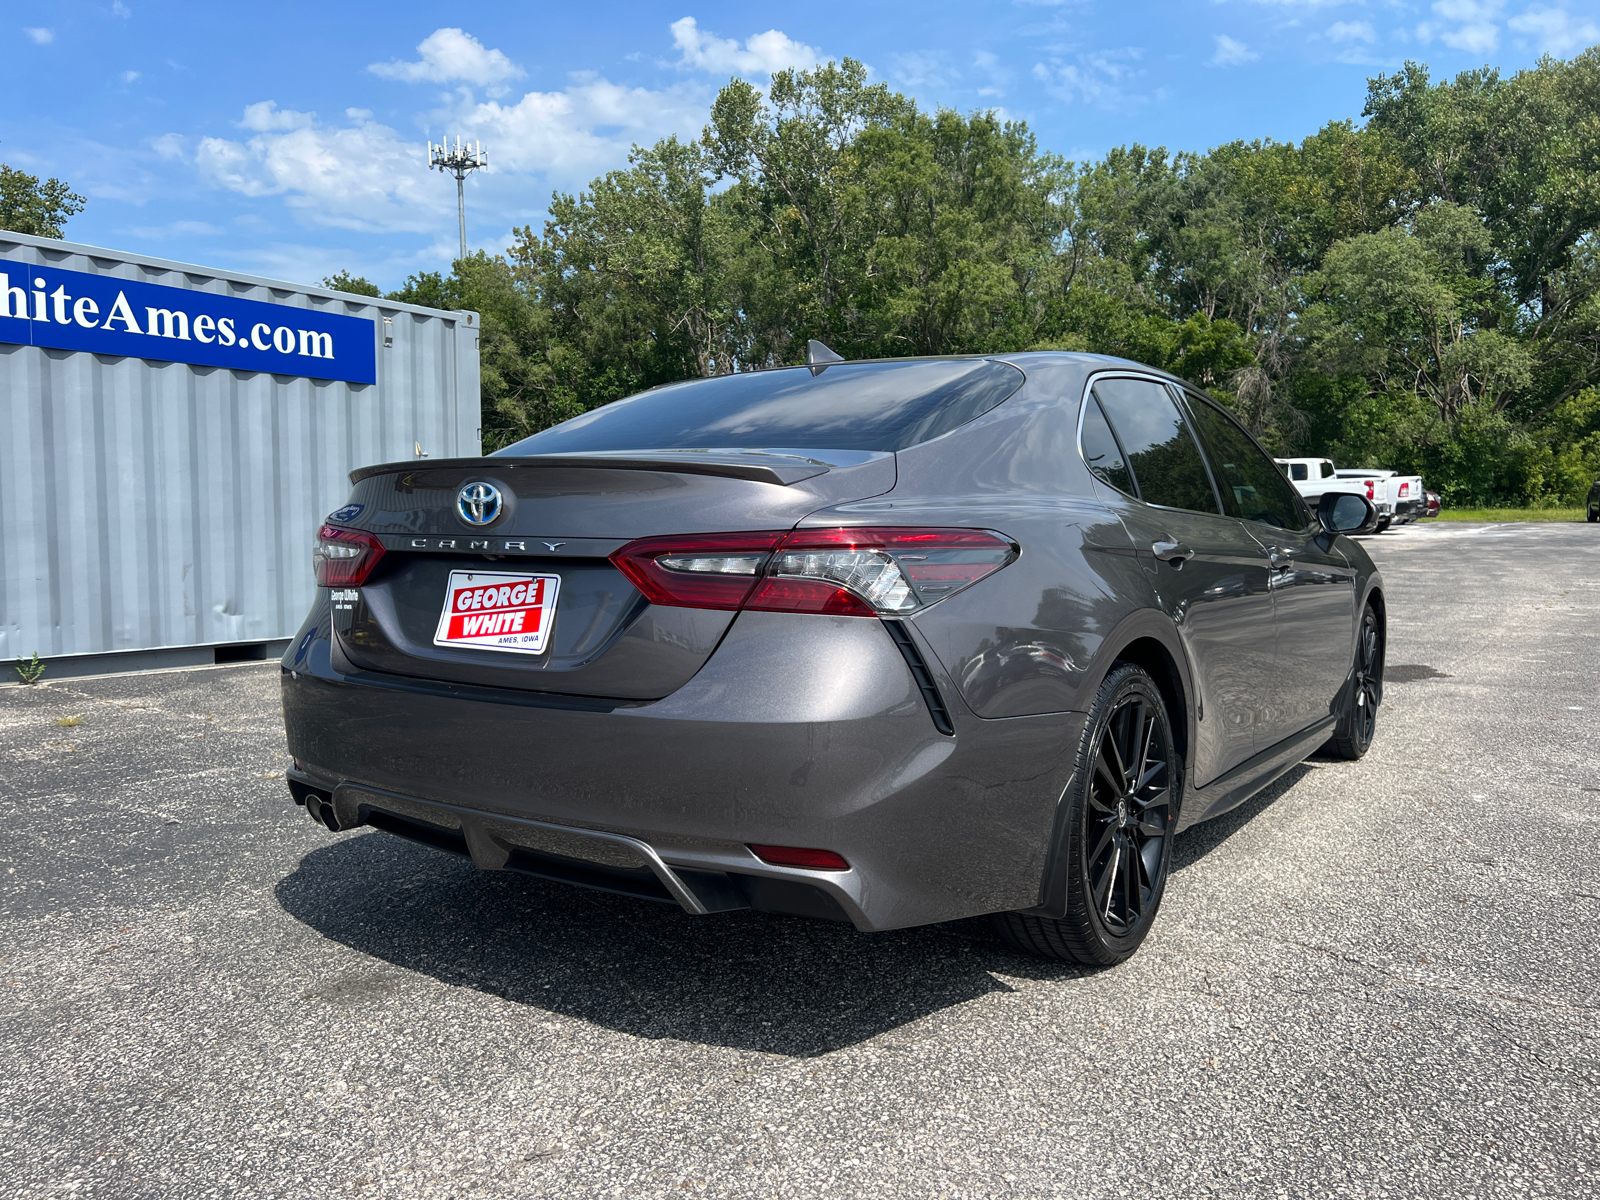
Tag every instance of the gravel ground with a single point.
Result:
(1376, 979)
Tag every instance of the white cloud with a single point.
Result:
(1472, 27)
(354, 172)
(762, 54)
(119, 9)
(265, 115)
(1555, 30)
(1351, 31)
(447, 55)
(359, 177)
(363, 175)
(1308, 5)
(1231, 53)
(130, 77)
(1102, 78)
(561, 131)
(922, 68)
(40, 37)
(1000, 77)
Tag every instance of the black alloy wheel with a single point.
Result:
(1129, 810)
(1124, 803)
(1358, 724)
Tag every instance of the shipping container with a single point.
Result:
(172, 435)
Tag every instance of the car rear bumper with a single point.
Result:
(800, 731)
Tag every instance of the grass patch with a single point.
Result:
(1511, 514)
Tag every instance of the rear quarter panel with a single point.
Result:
(1036, 636)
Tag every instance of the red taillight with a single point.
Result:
(1369, 489)
(697, 570)
(855, 572)
(344, 557)
(794, 856)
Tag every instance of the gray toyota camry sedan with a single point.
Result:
(886, 642)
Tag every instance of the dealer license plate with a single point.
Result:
(494, 610)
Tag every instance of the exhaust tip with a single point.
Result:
(318, 804)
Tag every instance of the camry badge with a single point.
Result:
(478, 503)
(554, 546)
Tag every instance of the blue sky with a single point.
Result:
(288, 139)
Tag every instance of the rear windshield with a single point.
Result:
(845, 406)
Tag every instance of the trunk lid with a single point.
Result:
(562, 517)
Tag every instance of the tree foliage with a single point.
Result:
(1419, 290)
(35, 206)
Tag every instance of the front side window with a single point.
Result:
(1161, 453)
(1252, 485)
(1298, 472)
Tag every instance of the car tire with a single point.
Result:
(1119, 824)
(1358, 719)
(1383, 524)
(1594, 514)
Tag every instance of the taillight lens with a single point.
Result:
(344, 557)
(1369, 489)
(702, 570)
(857, 572)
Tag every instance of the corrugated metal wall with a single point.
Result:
(146, 504)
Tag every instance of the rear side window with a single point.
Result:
(1161, 452)
(843, 406)
(1298, 472)
(1101, 452)
(1327, 469)
(1252, 486)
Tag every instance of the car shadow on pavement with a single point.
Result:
(746, 980)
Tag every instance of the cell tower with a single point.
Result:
(460, 162)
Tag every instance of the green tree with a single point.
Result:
(34, 206)
(355, 285)
(1419, 290)
(1413, 308)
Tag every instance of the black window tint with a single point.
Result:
(1252, 485)
(845, 406)
(1160, 449)
(1298, 471)
(1327, 469)
(1101, 452)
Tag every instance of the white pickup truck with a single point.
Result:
(1406, 496)
(1312, 477)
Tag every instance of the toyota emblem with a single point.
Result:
(478, 503)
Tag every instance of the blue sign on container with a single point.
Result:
(73, 310)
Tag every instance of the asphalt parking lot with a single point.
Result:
(1376, 979)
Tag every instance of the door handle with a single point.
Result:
(1281, 559)
(1175, 553)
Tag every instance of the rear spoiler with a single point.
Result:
(754, 465)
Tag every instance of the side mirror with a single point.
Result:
(1343, 512)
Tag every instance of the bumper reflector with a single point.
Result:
(794, 856)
